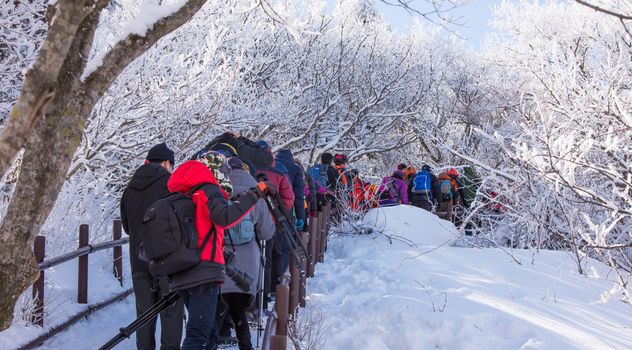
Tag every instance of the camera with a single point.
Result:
(242, 279)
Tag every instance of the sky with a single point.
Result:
(475, 14)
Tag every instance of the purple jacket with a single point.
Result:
(400, 195)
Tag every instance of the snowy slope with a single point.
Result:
(403, 292)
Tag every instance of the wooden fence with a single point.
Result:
(291, 292)
(81, 254)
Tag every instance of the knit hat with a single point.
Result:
(216, 162)
(326, 158)
(263, 144)
(235, 163)
(161, 152)
(340, 159)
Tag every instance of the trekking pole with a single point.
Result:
(144, 318)
(261, 289)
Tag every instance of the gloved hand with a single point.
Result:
(263, 188)
(300, 224)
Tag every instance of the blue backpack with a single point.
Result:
(243, 232)
(446, 191)
(318, 173)
(422, 183)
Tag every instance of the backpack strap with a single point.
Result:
(210, 233)
(197, 187)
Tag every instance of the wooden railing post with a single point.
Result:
(279, 341)
(321, 234)
(39, 249)
(294, 287)
(82, 282)
(303, 277)
(117, 254)
(313, 239)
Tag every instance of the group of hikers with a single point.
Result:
(211, 217)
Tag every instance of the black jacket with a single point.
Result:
(255, 156)
(297, 179)
(148, 185)
(332, 177)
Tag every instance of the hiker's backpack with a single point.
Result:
(446, 190)
(318, 173)
(390, 191)
(243, 232)
(422, 183)
(169, 235)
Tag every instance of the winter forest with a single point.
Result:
(542, 114)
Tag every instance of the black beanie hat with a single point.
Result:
(326, 158)
(161, 152)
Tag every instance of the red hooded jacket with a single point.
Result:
(211, 210)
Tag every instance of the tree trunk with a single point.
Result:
(50, 148)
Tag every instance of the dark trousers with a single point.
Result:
(201, 302)
(421, 201)
(148, 291)
(280, 259)
(235, 305)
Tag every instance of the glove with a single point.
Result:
(263, 188)
(300, 224)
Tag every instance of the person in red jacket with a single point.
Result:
(199, 286)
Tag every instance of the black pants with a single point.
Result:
(235, 305)
(148, 291)
(279, 260)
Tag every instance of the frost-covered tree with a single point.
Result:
(57, 95)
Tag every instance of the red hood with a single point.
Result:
(189, 175)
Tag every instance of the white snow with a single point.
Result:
(150, 14)
(402, 293)
(406, 287)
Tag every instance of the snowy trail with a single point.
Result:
(405, 293)
(379, 295)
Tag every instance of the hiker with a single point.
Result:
(362, 194)
(393, 190)
(297, 179)
(199, 285)
(148, 185)
(276, 248)
(458, 191)
(344, 184)
(241, 240)
(424, 188)
(324, 176)
(231, 144)
(314, 192)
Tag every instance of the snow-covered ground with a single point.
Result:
(407, 287)
(61, 301)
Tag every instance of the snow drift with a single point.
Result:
(403, 287)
